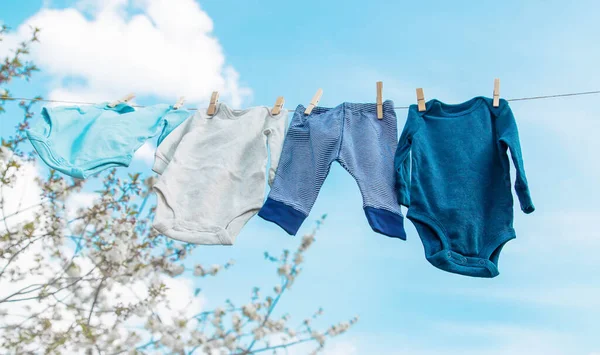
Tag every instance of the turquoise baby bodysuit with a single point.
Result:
(453, 173)
(83, 140)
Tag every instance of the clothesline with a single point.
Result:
(530, 98)
(299, 157)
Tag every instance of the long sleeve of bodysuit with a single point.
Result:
(168, 143)
(508, 138)
(402, 157)
(275, 133)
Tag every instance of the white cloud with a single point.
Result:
(341, 348)
(511, 339)
(564, 125)
(477, 339)
(575, 297)
(577, 227)
(101, 50)
(332, 347)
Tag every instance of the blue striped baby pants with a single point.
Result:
(352, 135)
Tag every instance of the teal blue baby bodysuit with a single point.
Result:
(83, 140)
(453, 173)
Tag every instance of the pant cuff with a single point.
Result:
(283, 215)
(386, 222)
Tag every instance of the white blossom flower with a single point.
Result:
(199, 271)
(284, 270)
(214, 269)
(259, 333)
(298, 258)
(249, 311)
(174, 269)
(153, 325)
(139, 311)
(320, 338)
(199, 337)
(216, 344)
(279, 325)
(78, 228)
(230, 341)
(58, 185)
(168, 340)
(236, 321)
(73, 270)
(117, 252)
(219, 312)
(150, 181)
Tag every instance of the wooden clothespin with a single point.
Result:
(314, 102)
(496, 102)
(421, 100)
(278, 106)
(179, 103)
(212, 107)
(380, 100)
(126, 99)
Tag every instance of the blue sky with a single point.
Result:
(547, 297)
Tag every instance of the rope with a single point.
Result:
(530, 98)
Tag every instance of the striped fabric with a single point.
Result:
(352, 135)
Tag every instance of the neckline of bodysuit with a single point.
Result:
(235, 114)
(460, 109)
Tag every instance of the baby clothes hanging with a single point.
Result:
(213, 173)
(83, 140)
(363, 144)
(458, 189)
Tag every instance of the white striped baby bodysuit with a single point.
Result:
(213, 173)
